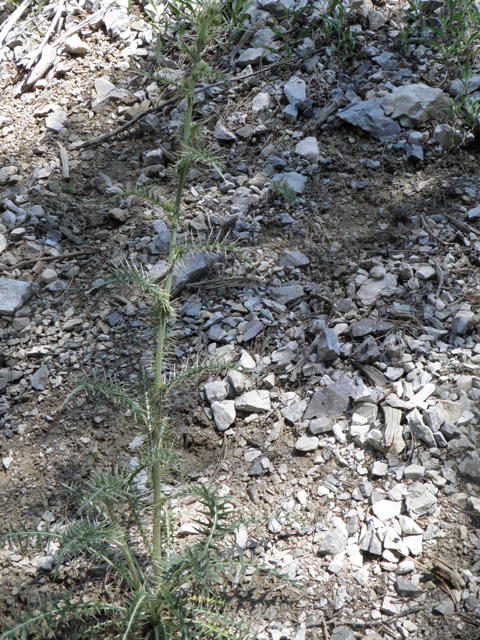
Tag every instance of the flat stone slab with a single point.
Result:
(190, 268)
(369, 116)
(253, 401)
(371, 288)
(13, 295)
(331, 401)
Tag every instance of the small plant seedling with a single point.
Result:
(282, 190)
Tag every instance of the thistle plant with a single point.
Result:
(125, 517)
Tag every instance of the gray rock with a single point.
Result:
(295, 90)
(190, 268)
(420, 429)
(290, 113)
(341, 598)
(103, 86)
(446, 135)
(371, 289)
(331, 401)
(470, 470)
(333, 543)
(370, 542)
(294, 412)
(414, 472)
(473, 214)
(224, 414)
(420, 505)
(414, 104)
(342, 633)
(216, 391)
(305, 444)
(473, 506)
(376, 19)
(116, 22)
(379, 469)
(414, 153)
(368, 351)
(253, 328)
(462, 322)
(369, 116)
(39, 379)
(76, 46)
(459, 86)
(292, 179)
(224, 135)
(282, 357)
(251, 56)
(290, 258)
(155, 156)
(444, 607)
(425, 272)
(386, 509)
(370, 326)
(7, 172)
(253, 401)
(308, 149)
(287, 294)
(405, 587)
(434, 417)
(276, 7)
(13, 295)
(328, 345)
(261, 102)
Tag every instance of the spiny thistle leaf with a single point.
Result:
(49, 612)
(136, 612)
(149, 196)
(196, 370)
(111, 390)
(83, 534)
(191, 156)
(133, 275)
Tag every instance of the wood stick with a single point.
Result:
(12, 20)
(64, 162)
(64, 256)
(29, 61)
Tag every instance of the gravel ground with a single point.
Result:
(356, 429)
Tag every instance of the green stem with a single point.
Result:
(162, 328)
(122, 543)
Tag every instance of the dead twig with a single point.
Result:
(65, 256)
(64, 162)
(29, 61)
(12, 20)
(430, 232)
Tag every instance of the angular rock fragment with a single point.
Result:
(190, 268)
(253, 401)
(224, 414)
(328, 345)
(333, 543)
(414, 104)
(369, 116)
(331, 401)
(13, 295)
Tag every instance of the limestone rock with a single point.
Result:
(13, 295)
(414, 104)
(369, 116)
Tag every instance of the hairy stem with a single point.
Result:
(162, 328)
